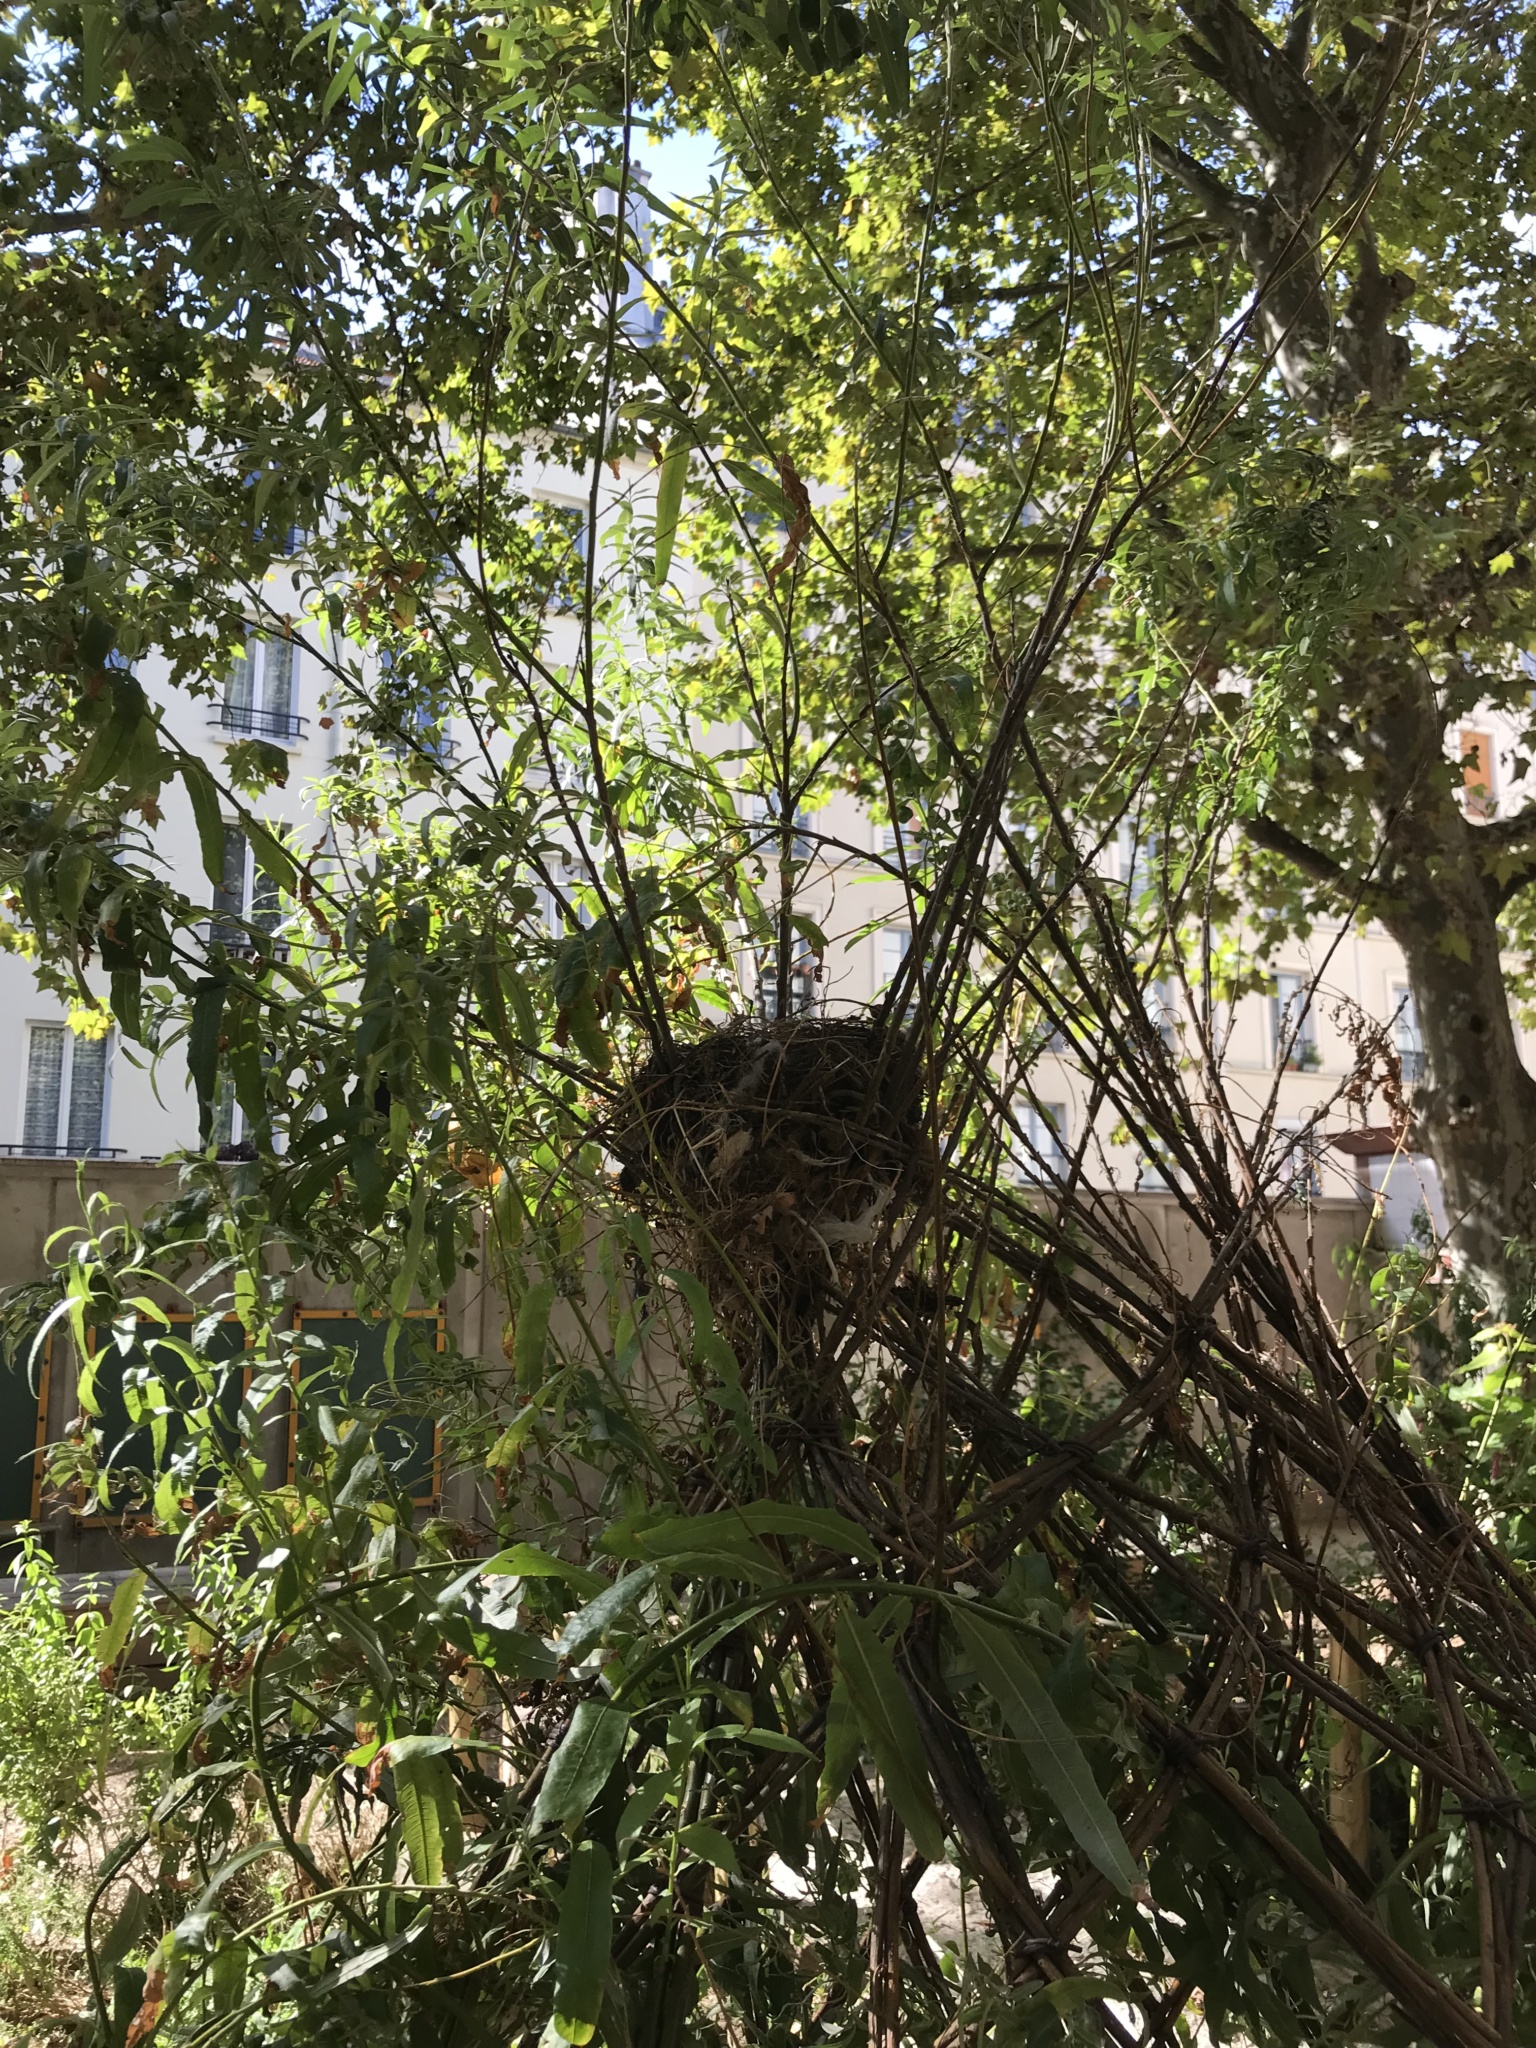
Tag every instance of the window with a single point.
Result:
(230, 1135)
(802, 989)
(902, 833)
(65, 1113)
(1296, 1166)
(1136, 858)
(418, 722)
(1155, 1173)
(1406, 1035)
(765, 811)
(1294, 1026)
(568, 878)
(259, 690)
(895, 944)
(1476, 749)
(1162, 1003)
(1040, 1152)
(638, 319)
(247, 893)
(568, 539)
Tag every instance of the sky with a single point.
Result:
(677, 166)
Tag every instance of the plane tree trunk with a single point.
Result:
(1475, 1111)
(1436, 879)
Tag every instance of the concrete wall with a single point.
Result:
(41, 1211)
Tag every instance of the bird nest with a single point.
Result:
(768, 1146)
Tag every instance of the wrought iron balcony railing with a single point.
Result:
(259, 724)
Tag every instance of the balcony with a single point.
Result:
(254, 723)
(62, 1152)
(240, 945)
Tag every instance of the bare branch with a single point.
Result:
(1217, 199)
(1236, 54)
(1277, 838)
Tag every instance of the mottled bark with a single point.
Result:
(1476, 1109)
(1325, 322)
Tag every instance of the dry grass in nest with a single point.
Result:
(773, 1150)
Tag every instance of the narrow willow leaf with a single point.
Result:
(579, 1768)
(669, 505)
(531, 1337)
(429, 1813)
(113, 1639)
(583, 1942)
(126, 1930)
(272, 856)
(824, 1526)
(890, 1728)
(710, 1846)
(840, 1748)
(643, 1802)
(1050, 1748)
(587, 1625)
(527, 1561)
(205, 811)
(888, 27)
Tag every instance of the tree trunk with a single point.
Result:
(1476, 1111)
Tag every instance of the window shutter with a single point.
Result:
(45, 1084)
(87, 1096)
(1477, 772)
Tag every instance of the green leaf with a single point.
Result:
(112, 741)
(272, 856)
(767, 488)
(584, 1627)
(669, 505)
(706, 1541)
(583, 1942)
(530, 1339)
(429, 1806)
(203, 1033)
(527, 1561)
(99, 38)
(71, 878)
(204, 798)
(823, 1526)
(580, 1767)
(226, 1976)
(888, 25)
(113, 1639)
(642, 1803)
(840, 1748)
(890, 1728)
(127, 1929)
(1051, 1750)
(709, 1846)
(776, 1739)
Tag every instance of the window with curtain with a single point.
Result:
(247, 894)
(1293, 1024)
(259, 689)
(65, 1108)
(802, 989)
(765, 811)
(1406, 1035)
(1043, 1127)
